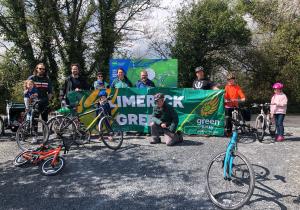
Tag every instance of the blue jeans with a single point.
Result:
(279, 124)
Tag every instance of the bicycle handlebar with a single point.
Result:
(262, 105)
(234, 100)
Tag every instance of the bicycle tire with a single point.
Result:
(1, 126)
(29, 137)
(112, 137)
(20, 160)
(260, 126)
(54, 125)
(65, 133)
(49, 170)
(243, 175)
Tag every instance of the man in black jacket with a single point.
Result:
(164, 120)
(74, 82)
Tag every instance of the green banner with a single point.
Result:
(163, 72)
(199, 111)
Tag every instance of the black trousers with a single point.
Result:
(228, 123)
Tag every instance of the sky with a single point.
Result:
(156, 25)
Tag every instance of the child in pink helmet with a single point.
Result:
(278, 109)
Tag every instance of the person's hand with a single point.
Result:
(77, 89)
(152, 123)
(163, 125)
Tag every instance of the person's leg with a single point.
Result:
(155, 132)
(171, 138)
(280, 118)
(228, 123)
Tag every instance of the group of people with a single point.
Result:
(164, 117)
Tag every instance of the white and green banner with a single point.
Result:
(199, 111)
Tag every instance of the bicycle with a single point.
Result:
(230, 177)
(1, 126)
(52, 162)
(264, 122)
(32, 130)
(237, 116)
(109, 129)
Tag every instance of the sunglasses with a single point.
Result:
(41, 68)
(100, 76)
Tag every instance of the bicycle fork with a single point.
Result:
(229, 157)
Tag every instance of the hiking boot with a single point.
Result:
(280, 138)
(155, 141)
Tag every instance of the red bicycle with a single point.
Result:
(51, 162)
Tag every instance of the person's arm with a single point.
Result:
(152, 83)
(283, 101)
(95, 85)
(241, 94)
(113, 84)
(155, 118)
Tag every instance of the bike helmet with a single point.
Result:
(278, 85)
(102, 93)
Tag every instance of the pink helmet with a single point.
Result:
(278, 85)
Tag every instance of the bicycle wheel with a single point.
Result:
(66, 132)
(260, 127)
(1, 126)
(22, 158)
(230, 193)
(111, 132)
(49, 169)
(30, 135)
(54, 125)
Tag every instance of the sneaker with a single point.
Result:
(155, 141)
(280, 138)
(34, 140)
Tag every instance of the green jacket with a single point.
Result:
(165, 115)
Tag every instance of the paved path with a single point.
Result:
(143, 176)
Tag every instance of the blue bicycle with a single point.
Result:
(230, 177)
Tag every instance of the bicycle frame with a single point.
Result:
(42, 155)
(229, 157)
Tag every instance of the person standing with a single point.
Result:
(233, 95)
(100, 83)
(44, 89)
(144, 82)
(74, 82)
(164, 120)
(278, 109)
(121, 81)
(201, 82)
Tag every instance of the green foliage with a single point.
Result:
(278, 50)
(204, 32)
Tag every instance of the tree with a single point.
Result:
(278, 47)
(204, 33)
(59, 33)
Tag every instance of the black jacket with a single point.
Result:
(72, 83)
